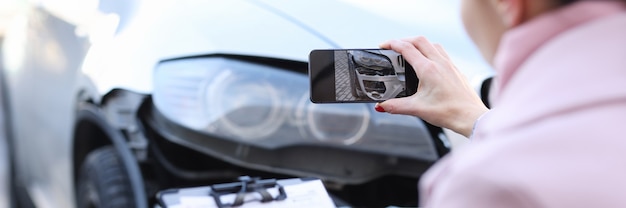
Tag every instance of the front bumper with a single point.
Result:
(337, 164)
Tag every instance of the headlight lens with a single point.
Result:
(244, 106)
(371, 60)
(270, 107)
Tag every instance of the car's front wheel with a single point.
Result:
(103, 182)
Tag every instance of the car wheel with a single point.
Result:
(104, 182)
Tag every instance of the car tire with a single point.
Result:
(104, 182)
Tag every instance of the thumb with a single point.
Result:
(397, 106)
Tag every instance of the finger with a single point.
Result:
(398, 106)
(441, 50)
(411, 54)
(385, 45)
(425, 46)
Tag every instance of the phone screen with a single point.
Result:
(359, 75)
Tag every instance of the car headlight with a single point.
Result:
(371, 60)
(269, 107)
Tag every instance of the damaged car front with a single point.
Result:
(171, 94)
(377, 74)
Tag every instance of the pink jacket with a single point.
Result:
(556, 134)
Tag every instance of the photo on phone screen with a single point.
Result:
(359, 75)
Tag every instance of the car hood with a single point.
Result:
(160, 30)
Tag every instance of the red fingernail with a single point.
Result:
(380, 109)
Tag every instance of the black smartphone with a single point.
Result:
(359, 76)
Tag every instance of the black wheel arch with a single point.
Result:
(91, 131)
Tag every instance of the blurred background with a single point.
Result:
(67, 57)
(8, 10)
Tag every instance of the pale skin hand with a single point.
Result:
(443, 97)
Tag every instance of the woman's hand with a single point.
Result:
(443, 97)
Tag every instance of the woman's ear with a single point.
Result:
(511, 12)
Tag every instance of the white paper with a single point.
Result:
(195, 202)
(306, 194)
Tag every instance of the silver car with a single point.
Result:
(113, 101)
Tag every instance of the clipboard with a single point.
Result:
(249, 193)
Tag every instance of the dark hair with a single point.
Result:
(566, 2)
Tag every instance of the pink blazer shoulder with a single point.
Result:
(556, 136)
